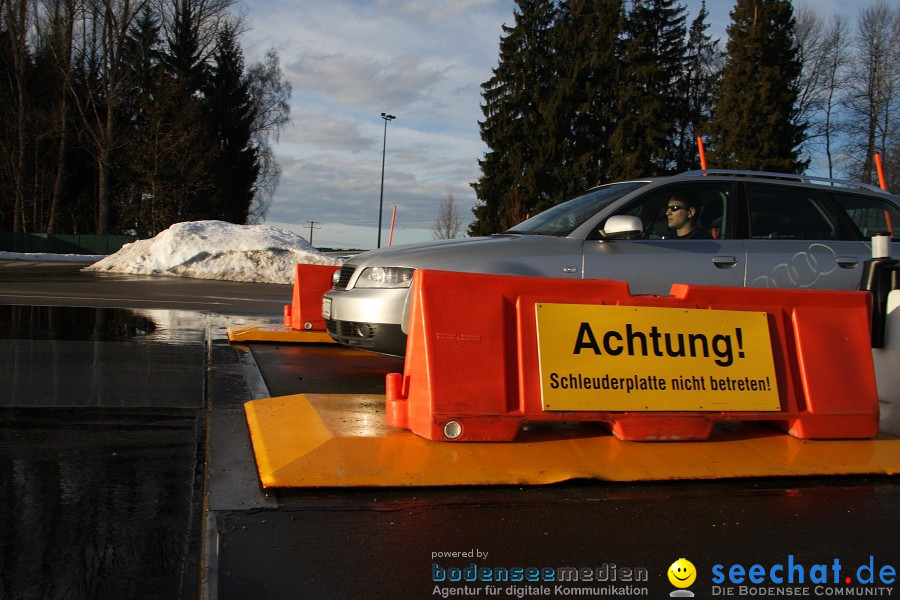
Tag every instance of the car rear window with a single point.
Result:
(790, 213)
(870, 214)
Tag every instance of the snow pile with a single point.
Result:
(217, 250)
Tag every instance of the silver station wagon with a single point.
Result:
(727, 228)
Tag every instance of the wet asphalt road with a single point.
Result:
(127, 473)
(105, 404)
(28, 283)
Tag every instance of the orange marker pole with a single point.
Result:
(702, 152)
(880, 171)
(391, 235)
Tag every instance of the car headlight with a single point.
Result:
(385, 277)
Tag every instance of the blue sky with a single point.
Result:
(421, 60)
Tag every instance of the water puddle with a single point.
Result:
(69, 323)
(101, 422)
(98, 504)
(73, 356)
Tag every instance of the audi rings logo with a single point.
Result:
(802, 271)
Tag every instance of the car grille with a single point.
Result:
(344, 277)
(353, 334)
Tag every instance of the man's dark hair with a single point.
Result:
(688, 198)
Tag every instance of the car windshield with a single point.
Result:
(564, 218)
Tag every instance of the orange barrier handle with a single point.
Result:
(880, 171)
(702, 152)
(391, 235)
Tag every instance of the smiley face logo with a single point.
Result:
(682, 573)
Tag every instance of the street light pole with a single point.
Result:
(386, 118)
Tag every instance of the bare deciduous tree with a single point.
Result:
(448, 224)
(108, 22)
(836, 57)
(111, 119)
(871, 101)
(16, 24)
(515, 211)
(822, 48)
(55, 26)
(811, 45)
(271, 92)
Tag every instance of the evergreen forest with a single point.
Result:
(126, 116)
(590, 91)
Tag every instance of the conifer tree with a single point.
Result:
(183, 117)
(231, 114)
(184, 57)
(583, 103)
(755, 118)
(142, 59)
(652, 65)
(703, 68)
(513, 128)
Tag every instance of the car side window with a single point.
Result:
(713, 202)
(870, 214)
(790, 213)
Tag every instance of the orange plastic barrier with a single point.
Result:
(310, 284)
(473, 368)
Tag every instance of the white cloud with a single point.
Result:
(434, 11)
(359, 82)
(325, 130)
(350, 60)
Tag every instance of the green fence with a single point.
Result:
(63, 243)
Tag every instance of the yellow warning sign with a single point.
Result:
(635, 358)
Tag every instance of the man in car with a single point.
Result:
(681, 216)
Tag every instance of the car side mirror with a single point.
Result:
(620, 227)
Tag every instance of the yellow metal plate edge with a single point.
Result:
(294, 448)
(275, 333)
(280, 429)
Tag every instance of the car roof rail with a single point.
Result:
(788, 177)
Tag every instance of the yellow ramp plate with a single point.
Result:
(276, 333)
(327, 440)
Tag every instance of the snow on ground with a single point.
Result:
(217, 250)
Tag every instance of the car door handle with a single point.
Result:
(724, 262)
(847, 262)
